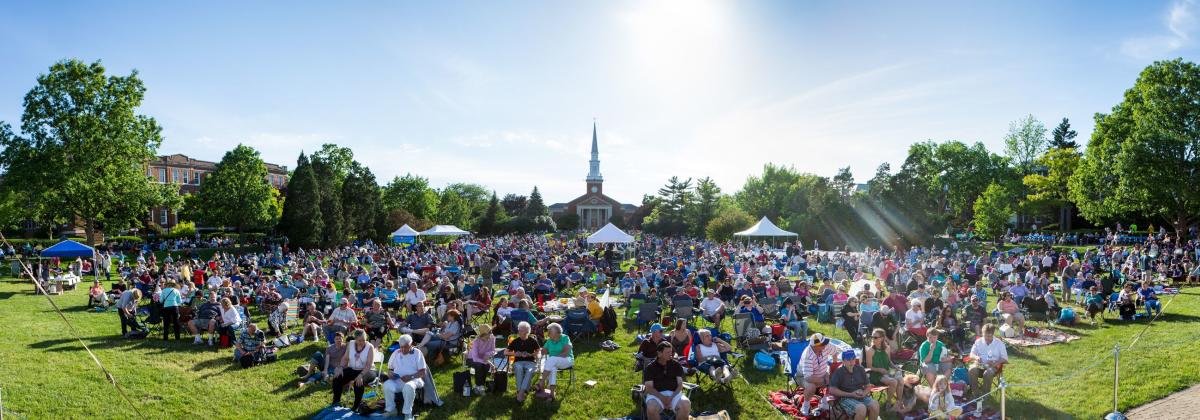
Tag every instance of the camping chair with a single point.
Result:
(790, 359)
(1113, 300)
(577, 322)
(685, 312)
(770, 310)
(742, 324)
(630, 306)
(666, 413)
(647, 313)
(693, 364)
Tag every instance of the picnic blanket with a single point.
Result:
(1045, 336)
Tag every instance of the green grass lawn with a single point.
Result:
(46, 374)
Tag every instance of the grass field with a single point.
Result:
(44, 373)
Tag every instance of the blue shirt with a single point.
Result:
(170, 297)
(388, 295)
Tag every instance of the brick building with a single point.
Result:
(593, 207)
(189, 174)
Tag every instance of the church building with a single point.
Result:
(593, 207)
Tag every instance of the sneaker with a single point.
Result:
(197, 340)
(387, 414)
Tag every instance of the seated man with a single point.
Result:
(849, 383)
(648, 350)
(663, 381)
(713, 308)
(418, 324)
(406, 374)
(340, 321)
(206, 319)
(988, 356)
(250, 343)
(814, 367)
(1150, 299)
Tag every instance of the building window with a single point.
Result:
(162, 175)
(162, 217)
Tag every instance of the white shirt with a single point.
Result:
(914, 319)
(406, 364)
(989, 352)
(359, 360)
(231, 316)
(708, 351)
(710, 306)
(344, 315)
(414, 297)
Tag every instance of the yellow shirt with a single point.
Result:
(594, 310)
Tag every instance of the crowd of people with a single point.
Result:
(387, 313)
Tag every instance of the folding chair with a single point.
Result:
(647, 314)
(685, 312)
(770, 310)
(742, 324)
(630, 311)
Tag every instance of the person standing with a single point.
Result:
(171, 300)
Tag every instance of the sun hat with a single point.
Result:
(818, 338)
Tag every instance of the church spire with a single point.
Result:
(594, 164)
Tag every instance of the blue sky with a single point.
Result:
(504, 93)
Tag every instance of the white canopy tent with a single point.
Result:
(764, 227)
(609, 234)
(445, 230)
(406, 234)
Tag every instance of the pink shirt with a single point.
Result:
(482, 349)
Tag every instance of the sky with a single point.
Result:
(504, 94)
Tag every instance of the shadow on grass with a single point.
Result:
(1029, 409)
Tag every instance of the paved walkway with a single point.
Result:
(1180, 405)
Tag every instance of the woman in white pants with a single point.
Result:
(558, 356)
(407, 367)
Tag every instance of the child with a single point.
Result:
(940, 400)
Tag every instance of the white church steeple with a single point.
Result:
(594, 164)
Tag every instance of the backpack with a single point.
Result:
(247, 360)
(499, 382)
(1066, 316)
(608, 321)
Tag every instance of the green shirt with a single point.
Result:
(554, 348)
(937, 352)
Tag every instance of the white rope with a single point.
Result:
(71, 328)
(1148, 324)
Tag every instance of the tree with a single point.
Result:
(1144, 157)
(513, 204)
(1050, 187)
(411, 193)
(333, 233)
(302, 221)
(993, 209)
(1063, 137)
(362, 205)
(880, 184)
(489, 224)
(674, 200)
(729, 219)
(843, 183)
(704, 207)
(340, 161)
(535, 207)
(83, 149)
(1026, 140)
(453, 209)
(567, 221)
(236, 193)
(474, 200)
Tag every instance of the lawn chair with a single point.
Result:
(790, 359)
(742, 324)
(770, 310)
(647, 314)
(630, 307)
(685, 312)
(577, 322)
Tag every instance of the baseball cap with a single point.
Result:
(818, 338)
(656, 327)
(849, 355)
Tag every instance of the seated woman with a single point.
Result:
(450, 332)
(559, 355)
(389, 296)
(1094, 301)
(1010, 312)
(794, 319)
(231, 318)
(483, 350)
(680, 337)
(914, 319)
(354, 369)
(324, 365)
(1127, 302)
(96, 295)
(849, 317)
(523, 349)
(877, 361)
(708, 356)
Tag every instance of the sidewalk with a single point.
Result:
(1180, 405)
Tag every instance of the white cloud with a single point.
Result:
(1180, 22)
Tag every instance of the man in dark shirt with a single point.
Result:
(648, 350)
(663, 381)
(418, 324)
(206, 318)
(849, 383)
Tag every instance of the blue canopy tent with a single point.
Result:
(71, 249)
(68, 249)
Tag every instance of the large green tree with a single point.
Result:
(1048, 188)
(411, 193)
(729, 219)
(492, 218)
(237, 193)
(1025, 142)
(993, 209)
(704, 206)
(302, 221)
(1063, 137)
(339, 160)
(1144, 156)
(83, 148)
(362, 205)
(333, 232)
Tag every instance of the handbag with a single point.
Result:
(461, 380)
(499, 382)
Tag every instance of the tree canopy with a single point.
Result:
(237, 193)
